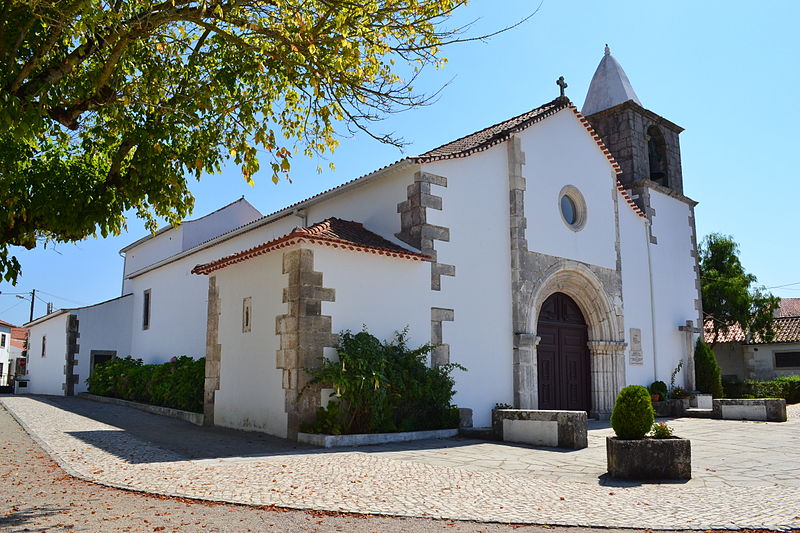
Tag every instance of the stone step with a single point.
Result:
(476, 433)
(694, 412)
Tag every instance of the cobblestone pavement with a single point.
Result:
(745, 473)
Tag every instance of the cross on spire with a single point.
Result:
(562, 85)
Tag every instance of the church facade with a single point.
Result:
(553, 255)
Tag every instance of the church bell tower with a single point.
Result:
(645, 144)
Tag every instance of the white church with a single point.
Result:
(553, 255)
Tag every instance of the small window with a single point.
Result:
(146, 310)
(2, 340)
(44, 345)
(247, 314)
(787, 360)
(572, 207)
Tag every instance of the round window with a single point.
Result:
(568, 210)
(573, 207)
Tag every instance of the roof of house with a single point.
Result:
(787, 329)
(463, 147)
(6, 324)
(488, 137)
(788, 307)
(333, 232)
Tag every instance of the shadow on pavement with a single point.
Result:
(17, 517)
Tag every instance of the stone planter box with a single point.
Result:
(766, 409)
(701, 401)
(364, 439)
(649, 459)
(557, 429)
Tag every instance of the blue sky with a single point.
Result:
(727, 72)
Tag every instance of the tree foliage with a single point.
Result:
(730, 295)
(707, 371)
(110, 105)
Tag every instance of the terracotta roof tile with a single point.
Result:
(788, 307)
(488, 137)
(334, 232)
(787, 329)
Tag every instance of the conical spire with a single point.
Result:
(610, 86)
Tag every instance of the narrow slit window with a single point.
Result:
(146, 310)
(247, 314)
(44, 345)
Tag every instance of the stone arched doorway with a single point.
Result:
(597, 295)
(563, 363)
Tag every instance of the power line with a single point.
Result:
(62, 298)
(12, 307)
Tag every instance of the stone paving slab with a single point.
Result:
(408, 482)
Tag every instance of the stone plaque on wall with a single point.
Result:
(636, 356)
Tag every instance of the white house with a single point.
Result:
(553, 255)
(741, 357)
(6, 361)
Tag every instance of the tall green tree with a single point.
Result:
(110, 105)
(730, 295)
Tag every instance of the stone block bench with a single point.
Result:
(767, 409)
(556, 429)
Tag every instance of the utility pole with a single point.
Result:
(49, 307)
(33, 299)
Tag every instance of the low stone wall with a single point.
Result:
(188, 416)
(556, 429)
(364, 439)
(766, 409)
(675, 408)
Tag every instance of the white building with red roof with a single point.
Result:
(553, 255)
(742, 357)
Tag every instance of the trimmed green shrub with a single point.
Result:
(660, 388)
(384, 387)
(633, 414)
(706, 370)
(177, 384)
(786, 387)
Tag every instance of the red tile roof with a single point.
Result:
(788, 307)
(333, 232)
(787, 329)
(488, 137)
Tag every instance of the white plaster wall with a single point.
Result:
(634, 240)
(385, 294)
(674, 283)
(374, 204)
(251, 395)
(46, 374)
(730, 357)
(161, 246)
(104, 326)
(475, 206)
(5, 354)
(232, 216)
(179, 299)
(558, 152)
(760, 361)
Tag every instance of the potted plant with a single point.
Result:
(630, 455)
(658, 391)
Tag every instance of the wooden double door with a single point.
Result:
(564, 367)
